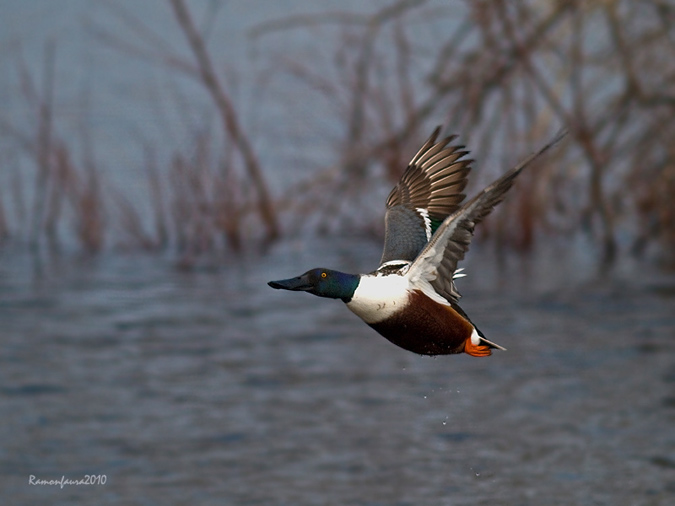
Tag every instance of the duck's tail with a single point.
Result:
(491, 344)
(487, 342)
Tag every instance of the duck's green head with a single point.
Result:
(322, 282)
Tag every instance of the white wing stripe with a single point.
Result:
(427, 221)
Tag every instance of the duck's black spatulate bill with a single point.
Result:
(298, 284)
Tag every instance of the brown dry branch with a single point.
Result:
(229, 116)
(44, 139)
(83, 190)
(157, 198)
(4, 226)
(90, 228)
(504, 75)
(131, 224)
(204, 203)
(64, 195)
(151, 46)
(16, 206)
(529, 68)
(227, 201)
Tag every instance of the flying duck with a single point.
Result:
(411, 298)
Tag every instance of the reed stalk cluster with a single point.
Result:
(504, 75)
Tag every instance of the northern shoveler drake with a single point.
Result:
(411, 298)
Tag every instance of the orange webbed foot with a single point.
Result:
(476, 350)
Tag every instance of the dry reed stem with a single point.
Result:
(229, 117)
(44, 139)
(531, 71)
(193, 226)
(58, 181)
(504, 77)
(157, 199)
(4, 226)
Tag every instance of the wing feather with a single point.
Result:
(429, 190)
(437, 262)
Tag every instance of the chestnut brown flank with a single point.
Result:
(426, 327)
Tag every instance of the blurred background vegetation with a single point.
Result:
(304, 124)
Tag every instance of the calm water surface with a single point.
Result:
(210, 388)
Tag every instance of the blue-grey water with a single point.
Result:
(208, 387)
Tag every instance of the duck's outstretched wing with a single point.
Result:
(429, 190)
(437, 262)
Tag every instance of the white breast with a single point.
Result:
(378, 297)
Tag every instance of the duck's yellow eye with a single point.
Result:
(323, 274)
